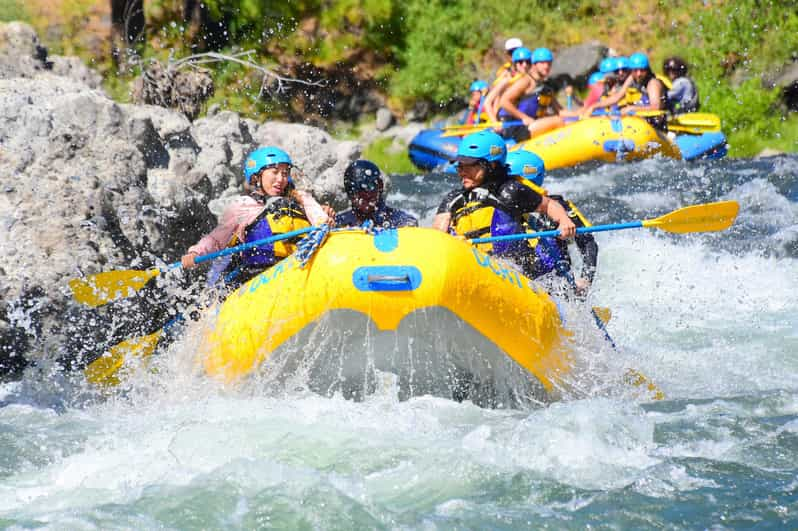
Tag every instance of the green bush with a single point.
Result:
(11, 10)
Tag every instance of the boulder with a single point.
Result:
(574, 65)
(786, 79)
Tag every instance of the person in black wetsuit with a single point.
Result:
(365, 189)
(491, 203)
(553, 254)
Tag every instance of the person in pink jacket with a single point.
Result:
(274, 206)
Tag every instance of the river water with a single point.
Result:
(712, 319)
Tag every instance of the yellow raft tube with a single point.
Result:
(431, 313)
(606, 139)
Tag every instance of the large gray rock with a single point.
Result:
(89, 185)
(786, 79)
(574, 65)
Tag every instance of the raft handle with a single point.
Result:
(386, 278)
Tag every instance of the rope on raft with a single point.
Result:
(307, 246)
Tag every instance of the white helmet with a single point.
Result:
(513, 43)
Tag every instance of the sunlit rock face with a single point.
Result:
(89, 185)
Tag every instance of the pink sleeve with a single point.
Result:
(236, 215)
(594, 95)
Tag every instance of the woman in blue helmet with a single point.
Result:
(530, 99)
(365, 188)
(521, 63)
(642, 91)
(272, 207)
(474, 114)
(491, 203)
(529, 169)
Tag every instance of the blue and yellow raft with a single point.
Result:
(437, 314)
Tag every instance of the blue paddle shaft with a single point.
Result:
(245, 246)
(556, 232)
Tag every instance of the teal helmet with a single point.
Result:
(622, 63)
(263, 158)
(478, 85)
(525, 164)
(638, 60)
(485, 146)
(606, 65)
(542, 55)
(594, 78)
(522, 54)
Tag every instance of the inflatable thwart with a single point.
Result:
(602, 138)
(439, 314)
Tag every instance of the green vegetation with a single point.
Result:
(383, 154)
(13, 10)
(432, 49)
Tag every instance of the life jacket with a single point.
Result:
(384, 217)
(642, 87)
(632, 96)
(479, 213)
(506, 68)
(665, 80)
(280, 215)
(535, 104)
(549, 252)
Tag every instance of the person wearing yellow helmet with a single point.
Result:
(273, 206)
(491, 203)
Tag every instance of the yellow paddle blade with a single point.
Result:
(709, 217)
(102, 288)
(604, 314)
(695, 122)
(638, 379)
(481, 125)
(104, 370)
(463, 132)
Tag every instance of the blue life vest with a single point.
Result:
(280, 215)
(384, 217)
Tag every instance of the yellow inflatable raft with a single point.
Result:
(429, 312)
(606, 139)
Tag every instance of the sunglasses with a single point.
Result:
(527, 61)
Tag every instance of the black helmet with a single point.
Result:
(362, 175)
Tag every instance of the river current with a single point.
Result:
(712, 319)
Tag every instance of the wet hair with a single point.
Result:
(676, 65)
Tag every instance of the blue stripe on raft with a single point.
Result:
(386, 278)
(623, 145)
(386, 240)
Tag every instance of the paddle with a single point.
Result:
(103, 370)
(462, 130)
(102, 288)
(708, 217)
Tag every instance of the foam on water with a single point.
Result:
(710, 318)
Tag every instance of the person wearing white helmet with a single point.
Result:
(503, 77)
(272, 207)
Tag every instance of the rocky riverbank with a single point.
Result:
(89, 185)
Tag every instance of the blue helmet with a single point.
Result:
(622, 63)
(485, 145)
(263, 158)
(606, 64)
(594, 78)
(638, 60)
(522, 54)
(478, 85)
(542, 55)
(527, 165)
